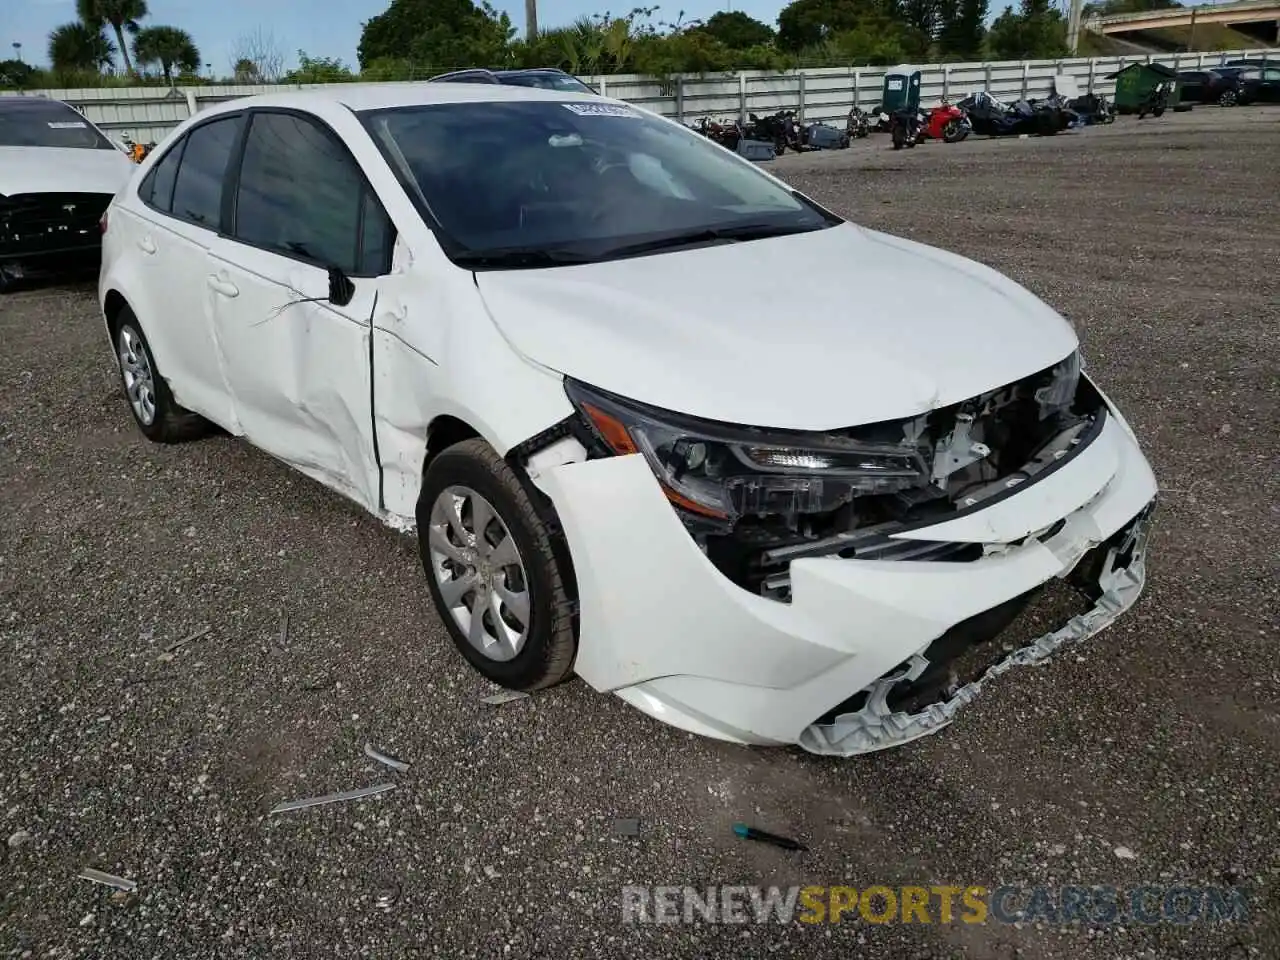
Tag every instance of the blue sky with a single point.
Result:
(324, 28)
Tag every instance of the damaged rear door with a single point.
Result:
(296, 284)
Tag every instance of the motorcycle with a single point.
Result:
(947, 123)
(992, 118)
(1155, 102)
(858, 125)
(1092, 109)
(906, 127)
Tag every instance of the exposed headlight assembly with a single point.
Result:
(725, 471)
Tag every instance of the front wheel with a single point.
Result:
(1228, 99)
(492, 570)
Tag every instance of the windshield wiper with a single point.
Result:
(517, 258)
(689, 238)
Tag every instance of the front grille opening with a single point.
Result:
(35, 223)
(1028, 431)
(969, 649)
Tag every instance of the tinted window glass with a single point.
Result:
(197, 193)
(300, 192)
(36, 122)
(377, 236)
(589, 177)
(157, 189)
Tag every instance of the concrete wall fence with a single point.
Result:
(147, 114)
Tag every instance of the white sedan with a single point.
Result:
(58, 173)
(559, 335)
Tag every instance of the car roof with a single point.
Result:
(380, 96)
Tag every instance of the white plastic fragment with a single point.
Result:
(503, 696)
(333, 798)
(107, 879)
(373, 753)
(1124, 853)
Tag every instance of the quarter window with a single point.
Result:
(157, 189)
(197, 192)
(302, 195)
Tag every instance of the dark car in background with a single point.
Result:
(1212, 86)
(545, 78)
(1257, 84)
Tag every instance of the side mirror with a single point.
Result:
(341, 289)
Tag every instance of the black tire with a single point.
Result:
(546, 657)
(1158, 112)
(170, 423)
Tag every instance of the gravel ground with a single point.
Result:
(1160, 738)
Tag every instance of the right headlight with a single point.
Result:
(726, 471)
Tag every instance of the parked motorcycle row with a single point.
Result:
(763, 138)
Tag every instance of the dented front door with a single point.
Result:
(298, 365)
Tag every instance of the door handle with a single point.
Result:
(224, 287)
(146, 246)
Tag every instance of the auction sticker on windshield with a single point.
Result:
(67, 125)
(601, 110)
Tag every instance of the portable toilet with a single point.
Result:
(901, 89)
(1137, 80)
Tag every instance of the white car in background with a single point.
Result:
(58, 172)
(547, 329)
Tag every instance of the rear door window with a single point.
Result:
(197, 191)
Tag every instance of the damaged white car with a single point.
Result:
(548, 329)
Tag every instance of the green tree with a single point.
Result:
(16, 75)
(441, 34)
(122, 15)
(736, 30)
(807, 23)
(963, 29)
(79, 46)
(1036, 32)
(319, 70)
(168, 46)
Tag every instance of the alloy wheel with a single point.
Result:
(479, 572)
(139, 378)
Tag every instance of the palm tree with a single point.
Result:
(167, 46)
(121, 14)
(79, 46)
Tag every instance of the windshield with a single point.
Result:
(575, 181)
(29, 122)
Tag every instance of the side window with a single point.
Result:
(197, 191)
(157, 189)
(302, 195)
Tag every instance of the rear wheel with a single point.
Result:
(492, 569)
(1228, 99)
(157, 414)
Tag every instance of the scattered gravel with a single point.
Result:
(1161, 736)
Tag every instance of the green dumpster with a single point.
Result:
(1136, 81)
(901, 89)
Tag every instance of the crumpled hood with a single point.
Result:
(62, 170)
(814, 331)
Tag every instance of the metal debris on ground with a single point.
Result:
(387, 898)
(373, 753)
(187, 639)
(503, 696)
(284, 632)
(627, 827)
(763, 836)
(333, 798)
(107, 879)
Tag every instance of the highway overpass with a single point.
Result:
(1260, 18)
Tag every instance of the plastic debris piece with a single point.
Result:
(284, 632)
(627, 827)
(503, 696)
(107, 879)
(373, 753)
(187, 639)
(387, 898)
(333, 798)
(762, 836)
